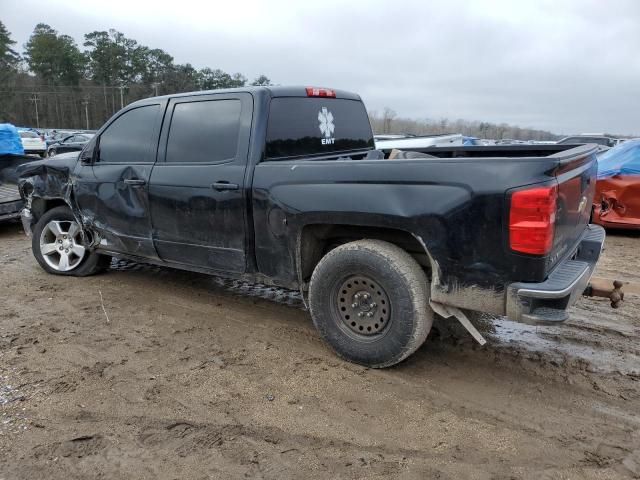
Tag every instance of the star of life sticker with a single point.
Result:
(325, 119)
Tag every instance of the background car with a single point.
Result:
(32, 142)
(617, 197)
(56, 137)
(71, 143)
(603, 142)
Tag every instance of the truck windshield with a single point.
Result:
(305, 127)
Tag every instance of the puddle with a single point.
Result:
(539, 340)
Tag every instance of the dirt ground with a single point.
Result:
(186, 376)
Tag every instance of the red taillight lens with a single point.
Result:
(532, 220)
(320, 92)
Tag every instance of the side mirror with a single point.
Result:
(90, 153)
(86, 156)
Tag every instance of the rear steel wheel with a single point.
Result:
(369, 299)
(363, 305)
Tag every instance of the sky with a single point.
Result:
(562, 65)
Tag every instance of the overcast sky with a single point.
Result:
(566, 66)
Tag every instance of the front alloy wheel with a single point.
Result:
(61, 245)
(58, 245)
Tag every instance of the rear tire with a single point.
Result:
(369, 300)
(58, 246)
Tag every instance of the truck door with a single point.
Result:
(111, 185)
(197, 191)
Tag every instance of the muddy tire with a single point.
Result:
(57, 244)
(369, 300)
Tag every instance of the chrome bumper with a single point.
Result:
(548, 301)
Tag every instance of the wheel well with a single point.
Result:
(317, 240)
(40, 205)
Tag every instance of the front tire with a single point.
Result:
(369, 300)
(58, 246)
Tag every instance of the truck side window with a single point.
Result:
(204, 131)
(130, 137)
(305, 127)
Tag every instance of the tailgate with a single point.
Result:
(576, 177)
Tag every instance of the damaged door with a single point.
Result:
(111, 190)
(197, 191)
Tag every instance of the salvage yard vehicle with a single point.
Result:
(617, 197)
(11, 202)
(283, 185)
(32, 143)
(422, 141)
(11, 156)
(600, 139)
(70, 143)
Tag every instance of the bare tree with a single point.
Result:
(387, 118)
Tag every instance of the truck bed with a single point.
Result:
(492, 151)
(10, 201)
(9, 193)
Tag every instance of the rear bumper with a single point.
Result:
(548, 301)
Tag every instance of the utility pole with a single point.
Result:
(155, 87)
(121, 87)
(85, 102)
(34, 98)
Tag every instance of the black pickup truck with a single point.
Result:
(284, 185)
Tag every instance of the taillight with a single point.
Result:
(532, 219)
(320, 92)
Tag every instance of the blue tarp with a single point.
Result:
(10, 143)
(621, 160)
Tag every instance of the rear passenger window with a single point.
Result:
(205, 131)
(304, 127)
(130, 138)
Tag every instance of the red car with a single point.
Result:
(617, 198)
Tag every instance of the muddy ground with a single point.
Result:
(181, 376)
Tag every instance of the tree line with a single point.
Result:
(388, 122)
(55, 84)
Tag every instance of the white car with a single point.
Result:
(32, 142)
(447, 140)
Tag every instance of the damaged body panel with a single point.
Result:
(263, 182)
(618, 202)
(617, 198)
(44, 183)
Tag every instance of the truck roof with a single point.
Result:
(272, 91)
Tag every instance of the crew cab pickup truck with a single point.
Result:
(283, 185)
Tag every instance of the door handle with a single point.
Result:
(224, 185)
(135, 181)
